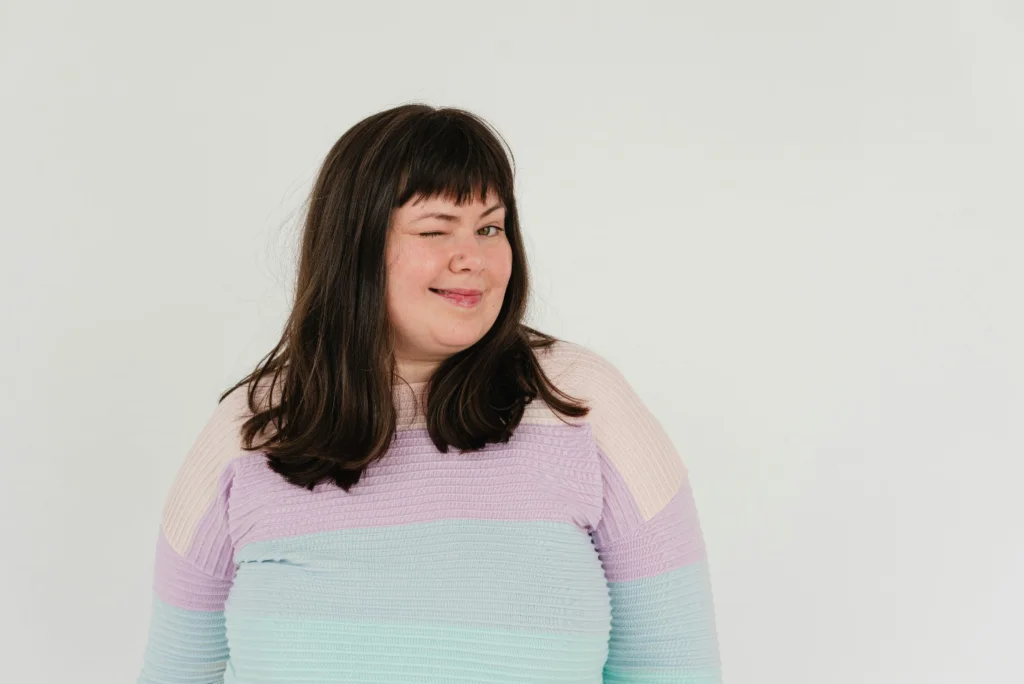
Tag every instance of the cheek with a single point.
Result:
(410, 269)
(502, 266)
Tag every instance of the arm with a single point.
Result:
(194, 565)
(651, 546)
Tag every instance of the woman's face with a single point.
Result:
(435, 245)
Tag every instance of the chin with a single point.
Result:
(460, 341)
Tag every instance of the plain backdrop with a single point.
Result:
(796, 227)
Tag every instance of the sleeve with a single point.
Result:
(650, 543)
(194, 562)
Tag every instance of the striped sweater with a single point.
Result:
(572, 553)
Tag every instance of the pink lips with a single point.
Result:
(460, 297)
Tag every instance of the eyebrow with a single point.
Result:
(451, 217)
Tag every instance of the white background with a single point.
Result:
(796, 227)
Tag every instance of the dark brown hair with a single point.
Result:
(332, 374)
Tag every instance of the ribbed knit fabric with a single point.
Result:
(573, 553)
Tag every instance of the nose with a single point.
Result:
(466, 252)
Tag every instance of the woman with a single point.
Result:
(413, 485)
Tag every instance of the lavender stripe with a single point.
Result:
(631, 548)
(544, 473)
(180, 584)
(200, 579)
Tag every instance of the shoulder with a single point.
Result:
(628, 435)
(574, 364)
(575, 367)
(205, 470)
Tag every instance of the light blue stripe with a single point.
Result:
(665, 622)
(184, 646)
(533, 577)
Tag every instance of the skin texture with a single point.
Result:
(471, 251)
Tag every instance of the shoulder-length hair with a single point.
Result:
(330, 408)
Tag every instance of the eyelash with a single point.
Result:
(437, 232)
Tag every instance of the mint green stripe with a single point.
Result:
(675, 676)
(318, 652)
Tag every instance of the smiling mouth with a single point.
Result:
(458, 299)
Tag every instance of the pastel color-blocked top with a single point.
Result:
(572, 553)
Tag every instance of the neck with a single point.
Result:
(415, 371)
